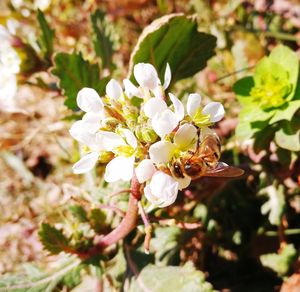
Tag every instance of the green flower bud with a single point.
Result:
(148, 135)
(138, 133)
(130, 112)
(110, 124)
(124, 150)
(105, 156)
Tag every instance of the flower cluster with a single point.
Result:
(136, 131)
(9, 68)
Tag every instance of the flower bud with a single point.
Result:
(138, 133)
(109, 124)
(130, 112)
(105, 156)
(149, 136)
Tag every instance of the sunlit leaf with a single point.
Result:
(281, 262)
(165, 244)
(174, 39)
(288, 136)
(53, 239)
(102, 38)
(38, 281)
(74, 73)
(164, 279)
(286, 112)
(275, 204)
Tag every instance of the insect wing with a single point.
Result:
(224, 170)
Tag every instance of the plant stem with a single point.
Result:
(148, 227)
(128, 223)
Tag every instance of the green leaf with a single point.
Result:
(73, 277)
(280, 263)
(102, 38)
(275, 204)
(74, 73)
(174, 39)
(38, 281)
(286, 112)
(53, 239)
(288, 137)
(263, 138)
(251, 121)
(164, 279)
(244, 131)
(165, 244)
(97, 219)
(79, 213)
(46, 38)
(243, 86)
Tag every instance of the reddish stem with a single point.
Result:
(128, 223)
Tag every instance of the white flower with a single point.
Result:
(86, 163)
(184, 139)
(122, 166)
(9, 67)
(211, 113)
(89, 101)
(147, 77)
(42, 4)
(17, 3)
(93, 144)
(114, 89)
(130, 89)
(164, 151)
(164, 120)
(145, 170)
(8, 90)
(162, 190)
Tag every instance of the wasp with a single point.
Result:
(203, 161)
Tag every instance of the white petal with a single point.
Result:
(167, 77)
(109, 140)
(153, 106)
(120, 168)
(185, 136)
(113, 89)
(151, 197)
(86, 163)
(77, 130)
(162, 190)
(129, 137)
(183, 182)
(92, 121)
(164, 123)
(161, 152)
(146, 75)
(159, 92)
(89, 100)
(193, 104)
(130, 89)
(215, 110)
(145, 170)
(178, 106)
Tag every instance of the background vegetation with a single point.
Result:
(241, 235)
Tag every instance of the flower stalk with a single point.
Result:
(128, 223)
(148, 228)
